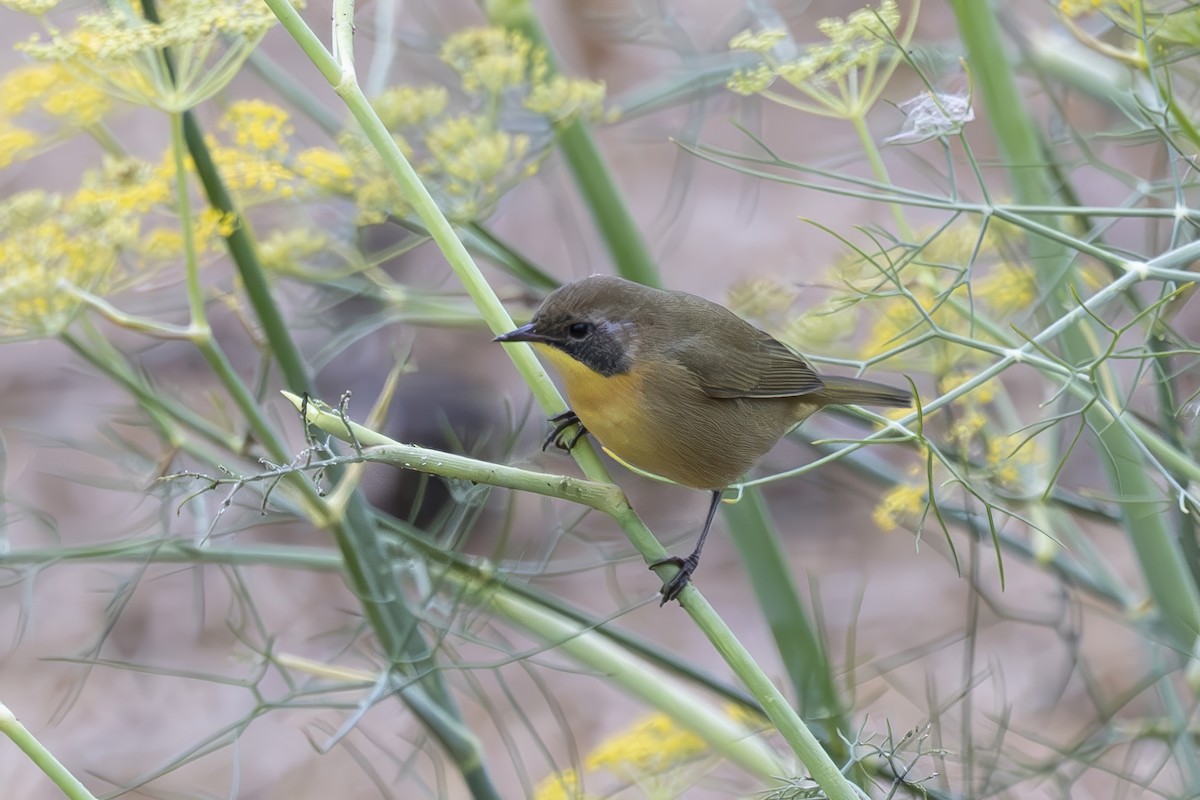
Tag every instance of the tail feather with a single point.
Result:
(843, 391)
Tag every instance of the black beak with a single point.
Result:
(525, 333)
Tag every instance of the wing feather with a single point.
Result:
(756, 365)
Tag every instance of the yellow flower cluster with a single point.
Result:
(1077, 8)
(120, 34)
(40, 104)
(562, 99)
(282, 250)
(560, 786)
(997, 286)
(325, 169)
(467, 157)
(649, 754)
(123, 218)
(48, 253)
(651, 747)
(854, 43)
(1011, 459)
(120, 49)
(407, 106)
(258, 125)
(53, 89)
(901, 505)
(34, 7)
(492, 60)
(15, 143)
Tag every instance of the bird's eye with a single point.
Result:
(579, 330)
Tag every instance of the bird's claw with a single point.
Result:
(558, 434)
(671, 589)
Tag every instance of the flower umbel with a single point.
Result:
(122, 52)
(840, 77)
(648, 750)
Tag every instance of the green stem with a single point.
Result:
(195, 293)
(879, 169)
(245, 257)
(800, 646)
(28, 744)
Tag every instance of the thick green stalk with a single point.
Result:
(800, 647)
(1159, 555)
(245, 257)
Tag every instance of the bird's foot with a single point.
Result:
(559, 435)
(671, 589)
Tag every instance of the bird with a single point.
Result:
(678, 386)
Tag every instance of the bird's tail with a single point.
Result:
(843, 391)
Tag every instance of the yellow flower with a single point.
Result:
(35, 7)
(121, 50)
(820, 326)
(857, 42)
(954, 246)
(258, 125)
(54, 89)
(122, 187)
(15, 143)
(1009, 457)
(899, 505)
(468, 152)
(406, 106)
(559, 786)
(1009, 288)
(376, 199)
(326, 169)
(751, 81)
(281, 249)
(982, 394)
(900, 320)
(254, 177)
(45, 253)
(161, 244)
(651, 747)
(760, 42)
(491, 60)
(1076, 8)
(754, 720)
(211, 226)
(562, 99)
(966, 426)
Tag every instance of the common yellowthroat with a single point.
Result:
(678, 386)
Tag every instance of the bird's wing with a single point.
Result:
(756, 366)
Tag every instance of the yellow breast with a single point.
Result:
(609, 407)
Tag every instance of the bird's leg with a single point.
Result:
(561, 423)
(687, 566)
